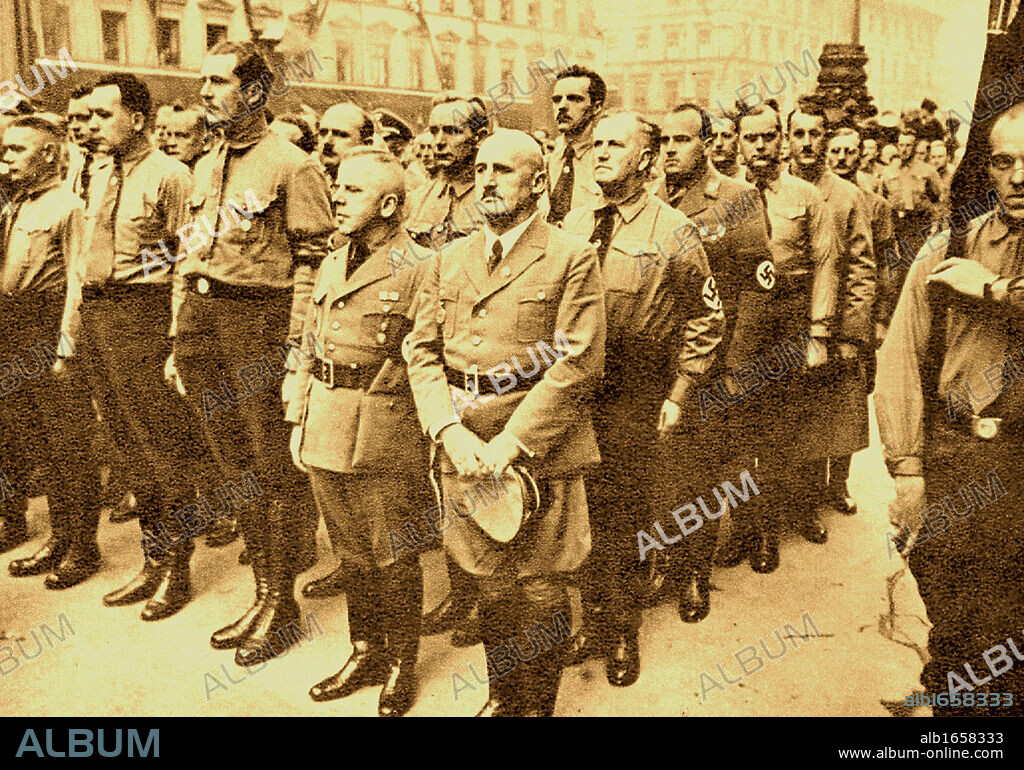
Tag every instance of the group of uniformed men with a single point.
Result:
(539, 355)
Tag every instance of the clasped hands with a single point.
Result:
(475, 458)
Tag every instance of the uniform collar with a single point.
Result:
(998, 229)
(509, 238)
(584, 142)
(630, 209)
(692, 198)
(38, 188)
(246, 134)
(460, 186)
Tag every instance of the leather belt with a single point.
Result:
(482, 385)
(205, 286)
(121, 290)
(337, 375)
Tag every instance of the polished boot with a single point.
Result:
(694, 597)
(455, 607)
(82, 559)
(125, 508)
(368, 665)
(332, 584)
(222, 532)
(42, 561)
(651, 580)
(504, 696)
(764, 558)
(740, 544)
(622, 664)
(545, 603)
(174, 589)
(276, 627)
(232, 635)
(13, 524)
(403, 606)
(139, 588)
(591, 640)
(813, 528)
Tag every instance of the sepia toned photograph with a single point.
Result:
(512, 358)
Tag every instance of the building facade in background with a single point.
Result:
(663, 52)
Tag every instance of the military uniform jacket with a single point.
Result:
(659, 291)
(539, 315)
(733, 227)
(585, 191)
(359, 323)
(442, 211)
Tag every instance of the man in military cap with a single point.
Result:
(247, 280)
(843, 398)
(576, 100)
(515, 291)
(356, 432)
(732, 222)
(45, 414)
(949, 403)
(664, 323)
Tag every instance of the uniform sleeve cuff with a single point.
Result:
(819, 330)
(507, 437)
(680, 388)
(434, 430)
(905, 466)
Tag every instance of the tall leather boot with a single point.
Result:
(402, 585)
(276, 626)
(52, 551)
(764, 557)
(252, 524)
(81, 560)
(13, 524)
(497, 628)
(457, 605)
(143, 585)
(546, 613)
(368, 664)
(174, 588)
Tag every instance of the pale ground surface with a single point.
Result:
(113, 664)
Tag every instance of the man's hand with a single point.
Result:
(817, 354)
(295, 445)
(499, 453)
(964, 276)
(465, 450)
(906, 512)
(669, 418)
(171, 376)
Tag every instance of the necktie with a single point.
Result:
(357, 255)
(84, 178)
(101, 254)
(497, 251)
(604, 223)
(764, 202)
(561, 196)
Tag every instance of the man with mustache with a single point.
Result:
(490, 300)
(845, 413)
(444, 210)
(806, 253)
(664, 323)
(732, 223)
(949, 416)
(246, 291)
(577, 98)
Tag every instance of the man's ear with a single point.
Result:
(540, 182)
(646, 159)
(138, 122)
(388, 206)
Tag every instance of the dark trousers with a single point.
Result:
(969, 565)
(230, 355)
(125, 347)
(44, 420)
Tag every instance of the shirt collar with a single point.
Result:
(509, 238)
(629, 210)
(460, 186)
(998, 229)
(585, 141)
(131, 159)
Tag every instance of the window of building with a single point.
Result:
(508, 66)
(643, 42)
(417, 74)
(671, 93)
(506, 11)
(379, 65)
(168, 42)
(56, 27)
(446, 70)
(560, 16)
(215, 33)
(533, 14)
(447, 6)
(783, 42)
(479, 8)
(702, 87)
(766, 42)
(114, 40)
(672, 42)
(704, 42)
(643, 84)
(343, 61)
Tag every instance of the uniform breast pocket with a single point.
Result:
(374, 328)
(787, 223)
(449, 299)
(142, 222)
(535, 316)
(248, 221)
(622, 268)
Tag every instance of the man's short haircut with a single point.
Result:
(847, 131)
(759, 109)
(807, 107)
(1016, 112)
(307, 143)
(705, 117)
(44, 122)
(597, 89)
(134, 93)
(651, 131)
(478, 119)
(80, 92)
(250, 66)
(384, 158)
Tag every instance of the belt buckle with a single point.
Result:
(985, 428)
(475, 390)
(327, 365)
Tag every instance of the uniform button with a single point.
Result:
(203, 285)
(330, 346)
(382, 338)
(341, 303)
(245, 224)
(386, 309)
(384, 326)
(353, 366)
(483, 312)
(541, 295)
(506, 272)
(476, 339)
(335, 325)
(440, 292)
